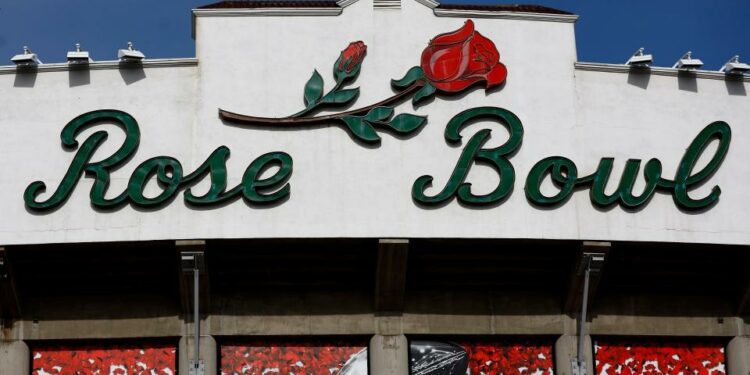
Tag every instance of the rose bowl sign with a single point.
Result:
(452, 63)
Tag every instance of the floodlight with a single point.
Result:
(639, 60)
(130, 55)
(591, 261)
(27, 58)
(79, 57)
(687, 62)
(735, 67)
(192, 260)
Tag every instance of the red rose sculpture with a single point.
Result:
(454, 61)
(352, 56)
(451, 63)
(349, 60)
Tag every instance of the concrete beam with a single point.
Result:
(388, 355)
(574, 295)
(166, 326)
(293, 325)
(738, 355)
(10, 308)
(208, 354)
(390, 276)
(464, 324)
(665, 325)
(14, 358)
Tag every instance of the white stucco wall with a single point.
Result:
(339, 188)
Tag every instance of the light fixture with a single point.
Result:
(192, 261)
(639, 60)
(130, 54)
(687, 62)
(735, 67)
(591, 261)
(27, 58)
(79, 57)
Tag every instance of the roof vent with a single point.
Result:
(387, 4)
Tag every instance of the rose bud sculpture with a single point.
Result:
(347, 66)
(451, 63)
(349, 61)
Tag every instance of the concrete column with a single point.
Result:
(566, 349)
(738, 356)
(208, 354)
(388, 355)
(14, 358)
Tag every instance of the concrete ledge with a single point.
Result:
(484, 324)
(101, 328)
(230, 325)
(659, 71)
(102, 65)
(361, 324)
(665, 326)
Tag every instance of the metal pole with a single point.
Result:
(582, 326)
(196, 316)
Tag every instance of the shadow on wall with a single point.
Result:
(131, 73)
(639, 78)
(25, 77)
(736, 86)
(686, 81)
(79, 77)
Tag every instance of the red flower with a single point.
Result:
(351, 57)
(454, 61)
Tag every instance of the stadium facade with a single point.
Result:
(374, 186)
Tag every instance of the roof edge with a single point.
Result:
(240, 12)
(659, 71)
(432, 4)
(257, 4)
(345, 3)
(102, 65)
(505, 14)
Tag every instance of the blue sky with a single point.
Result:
(607, 31)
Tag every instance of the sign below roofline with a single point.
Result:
(562, 171)
(451, 63)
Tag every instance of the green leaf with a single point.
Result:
(361, 129)
(424, 93)
(411, 76)
(340, 96)
(313, 89)
(379, 114)
(406, 123)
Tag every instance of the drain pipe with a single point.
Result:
(590, 262)
(197, 318)
(192, 261)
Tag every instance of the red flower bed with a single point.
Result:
(626, 357)
(509, 357)
(309, 357)
(105, 360)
